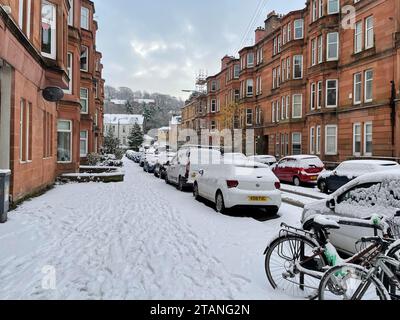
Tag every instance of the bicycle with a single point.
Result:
(362, 282)
(297, 260)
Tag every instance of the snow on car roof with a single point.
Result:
(302, 157)
(377, 162)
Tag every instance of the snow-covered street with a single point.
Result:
(140, 239)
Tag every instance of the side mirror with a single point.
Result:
(397, 214)
(201, 172)
(331, 204)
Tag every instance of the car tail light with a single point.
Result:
(187, 170)
(277, 185)
(232, 183)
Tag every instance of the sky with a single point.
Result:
(160, 45)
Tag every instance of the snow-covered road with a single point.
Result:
(140, 239)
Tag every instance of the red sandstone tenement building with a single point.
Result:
(48, 43)
(310, 84)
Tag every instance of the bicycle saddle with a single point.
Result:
(322, 222)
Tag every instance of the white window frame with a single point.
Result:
(328, 6)
(335, 152)
(337, 93)
(320, 94)
(248, 82)
(314, 51)
(355, 84)
(294, 66)
(369, 45)
(53, 26)
(70, 70)
(213, 106)
(85, 23)
(301, 144)
(87, 58)
(328, 43)
(320, 46)
(250, 62)
(299, 27)
(86, 140)
(71, 13)
(312, 140)
(358, 124)
(366, 124)
(318, 140)
(249, 112)
(273, 112)
(358, 37)
(366, 83)
(70, 131)
(297, 104)
(287, 106)
(85, 99)
(312, 95)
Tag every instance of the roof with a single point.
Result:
(118, 102)
(146, 101)
(123, 119)
(302, 157)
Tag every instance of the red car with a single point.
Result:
(299, 169)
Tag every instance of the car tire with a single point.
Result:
(196, 192)
(296, 181)
(219, 203)
(322, 186)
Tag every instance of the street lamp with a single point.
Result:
(119, 120)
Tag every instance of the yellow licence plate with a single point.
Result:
(258, 199)
(314, 178)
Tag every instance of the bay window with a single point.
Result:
(84, 58)
(333, 6)
(298, 29)
(84, 18)
(332, 52)
(358, 37)
(49, 30)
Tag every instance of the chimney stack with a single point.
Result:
(272, 22)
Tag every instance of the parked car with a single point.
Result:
(239, 184)
(147, 152)
(162, 160)
(361, 198)
(330, 181)
(265, 159)
(184, 168)
(299, 169)
(150, 162)
(236, 156)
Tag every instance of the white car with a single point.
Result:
(239, 184)
(184, 168)
(363, 197)
(236, 156)
(162, 160)
(265, 159)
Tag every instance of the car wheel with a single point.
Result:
(322, 186)
(219, 203)
(296, 181)
(196, 192)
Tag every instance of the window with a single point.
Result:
(368, 139)
(25, 131)
(321, 8)
(289, 32)
(71, 13)
(49, 30)
(332, 52)
(249, 117)
(333, 6)
(69, 72)
(64, 141)
(331, 93)
(213, 85)
(275, 46)
(319, 95)
(287, 106)
(314, 10)
(278, 76)
(213, 125)
(250, 60)
(357, 88)
(277, 148)
(298, 29)
(369, 32)
(249, 87)
(273, 78)
(277, 111)
(259, 85)
(85, 18)
(84, 100)
(331, 140)
(47, 134)
(358, 37)
(312, 140)
(288, 68)
(297, 106)
(273, 111)
(279, 43)
(320, 49)
(283, 70)
(258, 115)
(213, 105)
(296, 143)
(24, 16)
(283, 112)
(357, 139)
(314, 52)
(312, 96)
(369, 78)
(297, 67)
(318, 142)
(84, 58)
(284, 34)
(236, 71)
(83, 144)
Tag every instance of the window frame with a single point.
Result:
(328, 43)
(85, 99)
(53, 36)
(70, 131)
(366, 124)
(355, 153)
(86, 140)
(328, 153)
(337, 93)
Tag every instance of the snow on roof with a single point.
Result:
(302, 157)
(123, 119)
(118, 102)
(164, 129)
(176, 120)
(5, 171)
(372, 162)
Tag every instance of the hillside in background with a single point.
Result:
(157, 108)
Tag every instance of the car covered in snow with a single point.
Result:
(163, 159)
(265, 159)
(184, 168)
(368, 195)
(234, 156)
(330, 181)
(239, 184)
(150, 162)
(299, 169)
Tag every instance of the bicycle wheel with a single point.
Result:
(351, 282)
(280, 265)
(394, 252)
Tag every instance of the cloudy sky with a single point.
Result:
(160, 45)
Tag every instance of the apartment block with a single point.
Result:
(321, 81)
(40, 49)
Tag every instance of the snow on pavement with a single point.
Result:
(139, 239)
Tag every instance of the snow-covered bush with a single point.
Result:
(93, 159)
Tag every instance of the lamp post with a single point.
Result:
(119, 120)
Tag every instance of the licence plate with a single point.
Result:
(194, 175)
(314, 178)
(258, 199)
